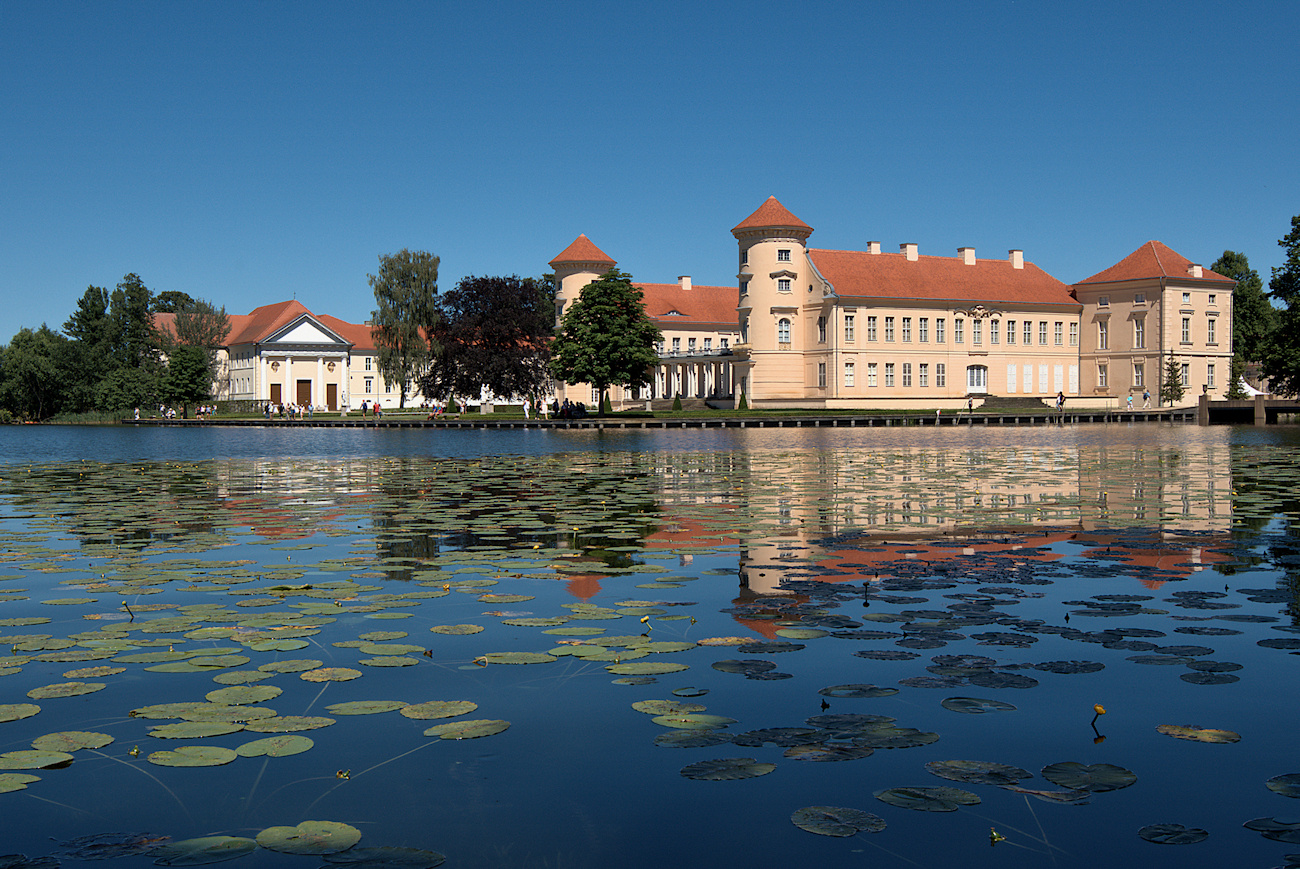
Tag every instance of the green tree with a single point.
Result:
(1281, 354)
(1253, 316)
(492, 332)
(132, 339)
(91, 330)
(123, 389)
(605, 337)
(1171, 382)
(171, 302)
(32, 379)
(188, 379)
(198, 331)
(404, 321)
(1236, 374)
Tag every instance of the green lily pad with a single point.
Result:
(1287, 785)
(978, 772)
(286, 645)
(691, 739)
(288, 724)
(331, 674)
(65, 689)
(518, 658)
(941, 799)
(1096, 778)
(243, 695)
(364, 707)
(16, 781)
(836, 821)
(857, 691)
(387, 858)
(457, 630)
(1173, 834)
(16, 711)
(310, 838)
(1198, 734)
(726, 769)
(389, 661)
(438, 709)
(1278, 831)
(692, 721)
(975, 705)
(34, 759)
(194, 729)
(193, 755)
(296, 666)
(467, 729)
(71, 740)
(198, 852)
(666, 707)
(645, 668)
(275, 746)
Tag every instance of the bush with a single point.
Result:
(606, 406)
(744, 405)
(6, 418)
(677, 402)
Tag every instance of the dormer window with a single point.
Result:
(783, 255)
(1139, 298)
(1102, 302)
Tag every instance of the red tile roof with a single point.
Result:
(772, 214)
(261, 322)
(582, 251)
(1152, 260)
(698, 305)
(937, 278)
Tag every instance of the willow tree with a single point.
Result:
(406, 315)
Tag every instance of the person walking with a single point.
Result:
(1146, 398)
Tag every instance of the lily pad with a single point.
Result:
(275, 746)
(387, 858)
(288, 724)
(310, 838)
(646, 668)
(1287, 785)
(438, 709)
(457, 630)
(195, 729)
(1096, 778)
(243, 695)
(468, 729)
(940, 799)
(294, 666)
(193, 755)
(331, 674)
(1198, 734)
(857, 691)
(518, 658)
(16, 781)
(975, 705)
(71, 740)
(691, 739)
(726, 769)
(364, 707)
(667, 707)
(836, 821)
(1172, 834)
(692, 721)
(199, 852)
(34, 759)
(65, 689)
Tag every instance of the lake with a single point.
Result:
(528, 648)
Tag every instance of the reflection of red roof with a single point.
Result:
(584, 586)
(582, 250)
(894, 276)
(669, 304)
(1152, 260)
(772, 215)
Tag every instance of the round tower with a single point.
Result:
(774, 268)
(576, 266)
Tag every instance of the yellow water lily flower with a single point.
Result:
(1099, 709)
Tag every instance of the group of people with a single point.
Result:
(288, 410)
(376, 408)
(1146, 399)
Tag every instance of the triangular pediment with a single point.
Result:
(306, 330)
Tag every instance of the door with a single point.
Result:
(304, 393)
(275, 393)
(332, 396)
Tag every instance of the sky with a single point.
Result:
(254, 152)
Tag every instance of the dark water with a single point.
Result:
(942, 563)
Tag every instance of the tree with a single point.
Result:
(188, 379)
(492, 332)
(199, 330)
(1281, 354)
(1171, 382)
(32, 380)
(133, 341)
(1253, 317)
(605, 337)
(406, 291)
(171, 302)
(1236, 375)
(91, 330)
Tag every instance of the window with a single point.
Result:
(1139, 374)
(993, 331)
(370, 384)
(783, 255)
(744, 287)
(782, 331)
(957, 327)
(1103, 301)
(1187, 330)
(821, 375)
(1139, 298)
(1058, 337)
(821, 330)
(923, 330)
(677, 346)
(1074, 334)
(708, 345)
(1103, 375)
(724, 343)
(388, 387)
(889, 328)
(1212, 298)
(1103, 335)
(1029, 332)
(690, 346)
(923, 375)
(367, 367)
(977, 331)
(907, 328)
(848, 327)
(744, 330)
(889, 374)
(940, 375)
(1210, 337)
(559, 306)
(1209, 376)
(1187, 298)
(1011, 331)
(938, 330)
(1042, 332)
(783, 285)
(907, 375)
(659, 347)
(595, 396)
(977, 378)
(1139, 333)
(1184, 374)
(850, 372)
(871, 374)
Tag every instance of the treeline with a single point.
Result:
(111, 356)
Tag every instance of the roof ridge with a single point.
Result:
(1156, 252)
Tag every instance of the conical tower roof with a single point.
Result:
(582, 251)
(772, 215)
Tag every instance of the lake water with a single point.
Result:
(858, 607)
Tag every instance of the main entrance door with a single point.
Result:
(304, 393)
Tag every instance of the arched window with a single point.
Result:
(977, 378)
(783, 330)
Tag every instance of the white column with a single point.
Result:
(318, 385)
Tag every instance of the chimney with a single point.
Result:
(909, 248)
(967, 255)
(1017, 259)
(684, 281)
(1194, 269)
(873, 247)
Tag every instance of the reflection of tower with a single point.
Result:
(774, 267)
(576, 266)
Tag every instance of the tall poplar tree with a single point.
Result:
(1281, 355)
(406, 314)
(606, 337)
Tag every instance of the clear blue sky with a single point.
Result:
(249, 153)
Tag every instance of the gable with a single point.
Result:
(306, 330)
